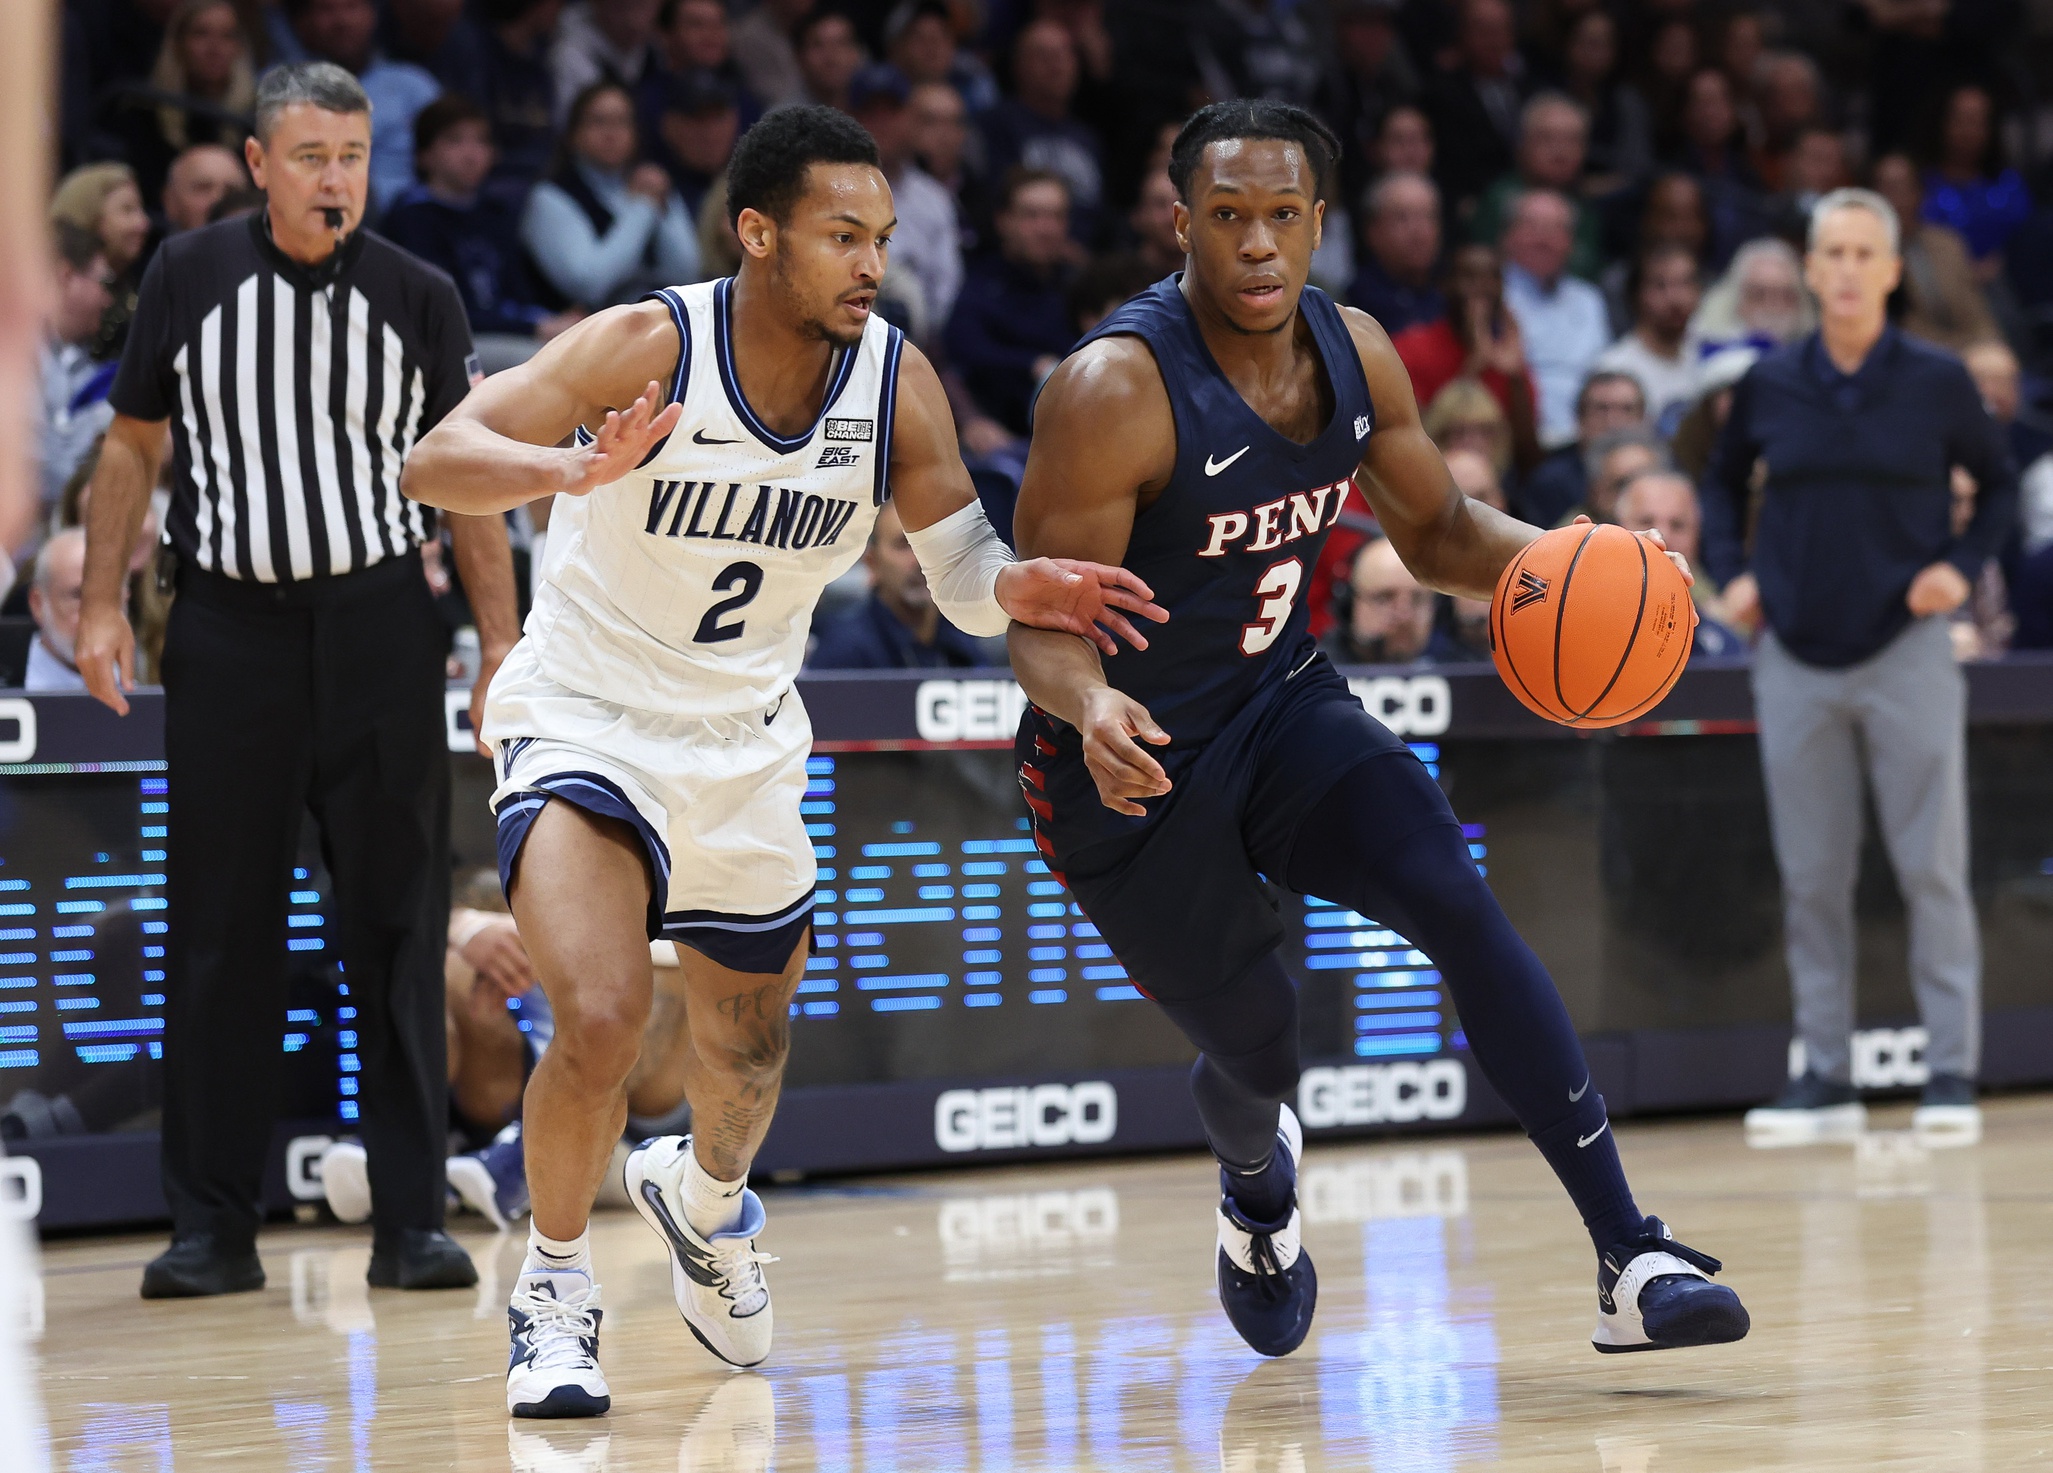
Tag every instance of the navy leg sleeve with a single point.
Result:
(1247, 1036)
(1384, 842)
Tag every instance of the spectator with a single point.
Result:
(1968, 189)
(205, 61)
(1759, 302)
(601, 228)
(1698, 432)
(1253, 50)
(1382, 615)
(1856, 668)
(1609, 461)
(697, 124)
(449, 221)
(437, 37)
(103, 199)
(763, 51)
(1368, 75)
(1467, 620)
(1561, 318)
(1011, 323)
(898, 627)
(1553, 140)
(940, 143)
(1670, 62)
(73, 411)
(197, 180)
(1939, 299)
(1714, 150)
(1034, 128)
(926, 248)
(1401, 249)
(603, 41)
(1674, 214)
(1153, 221)
(1816, 165)
(920, 39)
(1664, 501)
(1466, 416)
(696, 37)
(236, 204)
(519, 94)
(1610, 399)
(829, 56)
(1665, 292)
(55, 595)
(1479, 338)
(1404, 142)
(1621, 129)
(1474, 105)
(1792, 105)
(345, 32)
(1102, 285)
(1999, 379)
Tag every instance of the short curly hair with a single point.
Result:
(1244, 117)
(768, 171)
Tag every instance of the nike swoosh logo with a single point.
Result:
(698, 437)
(1586, 1139)
(1212, 467)
(1578, 1094)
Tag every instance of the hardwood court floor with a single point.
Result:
(1061, 1318)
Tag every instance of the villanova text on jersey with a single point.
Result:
(1229, 544)
(777, 516)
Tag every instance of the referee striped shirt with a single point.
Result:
(293, 396)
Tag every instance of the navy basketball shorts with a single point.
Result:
(1184, 897)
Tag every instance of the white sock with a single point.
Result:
(546, 1252)
(710, 1204)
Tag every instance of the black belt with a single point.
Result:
(243, 595)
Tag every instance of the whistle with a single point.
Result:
(333, 217)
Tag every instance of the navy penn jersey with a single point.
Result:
(1229, 545)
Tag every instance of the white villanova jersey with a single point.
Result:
(688, 585)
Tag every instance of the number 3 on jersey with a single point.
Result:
(1277, 591)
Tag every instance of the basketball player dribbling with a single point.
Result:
(734, 442)
(1204, 436)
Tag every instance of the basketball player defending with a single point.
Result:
(733, 441)
(1204, 435)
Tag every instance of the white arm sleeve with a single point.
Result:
(961, 556)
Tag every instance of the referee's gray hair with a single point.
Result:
(1856, 199)
(320, 84)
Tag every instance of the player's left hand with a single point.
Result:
(1079, 598)
(1653, 535)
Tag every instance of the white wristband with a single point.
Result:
(962, 557)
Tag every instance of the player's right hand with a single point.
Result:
(1112, 721)
(622, 443)
(105, 653)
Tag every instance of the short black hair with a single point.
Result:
(450, 110)
(1253, 117)
(768, 171)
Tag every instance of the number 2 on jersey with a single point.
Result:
(1277, 589)
(747, 581)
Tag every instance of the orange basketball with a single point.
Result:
(1591, 626)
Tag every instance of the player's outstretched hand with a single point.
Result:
(1079, 598)
(1112, 721)
(1653, 535)
(622, 443)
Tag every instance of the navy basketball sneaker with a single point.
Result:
(493, 1182)
(1655, 1294)
(554, 1368)
(1267, 1285)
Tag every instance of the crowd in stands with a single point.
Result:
(1580, 221)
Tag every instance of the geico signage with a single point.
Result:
(968, 710)
(1410, 705)
(1030, 1115)
(1883, 1058)
(1382, 1094)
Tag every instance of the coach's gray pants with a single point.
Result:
(1903, 715)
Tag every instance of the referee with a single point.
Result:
(293, 361)
(1854, 433)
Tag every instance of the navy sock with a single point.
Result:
(1384, 842)
(1263, 1196)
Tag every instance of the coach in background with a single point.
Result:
(1855, 568)
(294, 360)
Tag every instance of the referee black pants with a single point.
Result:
(326, 696)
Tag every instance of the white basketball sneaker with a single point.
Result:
(717, 1281)
(346, 1181)
(553, 1370)
(1655, 1294)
